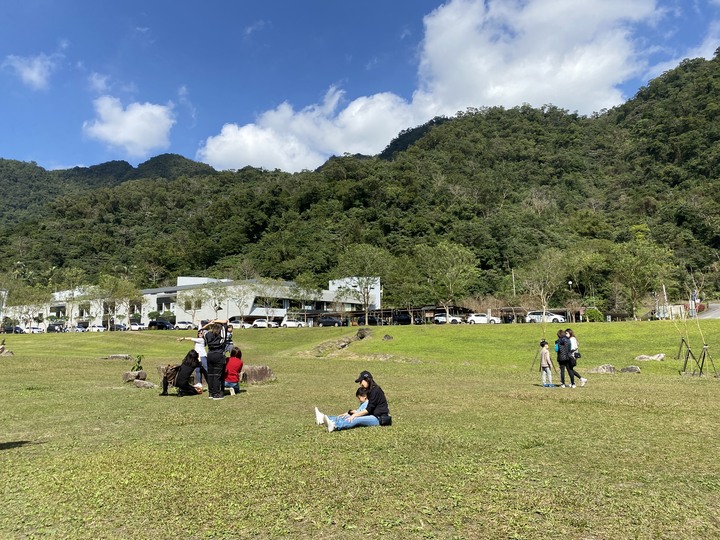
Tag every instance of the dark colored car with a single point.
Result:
(118, 327)
(160, 325)
(404, 318)
(330, 321)
(14, 330)
(371, 321)
(56, 327)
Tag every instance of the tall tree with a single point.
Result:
(449, 270)
(363, 266)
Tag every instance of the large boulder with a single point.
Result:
(139, 383)
(256, 374)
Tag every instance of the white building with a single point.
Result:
(195, 299)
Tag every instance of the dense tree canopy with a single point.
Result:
(508, 186)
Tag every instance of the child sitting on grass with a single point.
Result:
(343, 421)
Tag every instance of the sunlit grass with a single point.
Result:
(477, 450)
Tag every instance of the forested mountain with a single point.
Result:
(510, 186)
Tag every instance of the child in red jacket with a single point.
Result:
(233, 368)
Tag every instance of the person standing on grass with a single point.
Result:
(215, 339)
(574, 355)
(562, 346)
(345, 421)
(202, 353)
(233, 367)
(545, 364)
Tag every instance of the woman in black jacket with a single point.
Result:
(215, 341)
(377, 412)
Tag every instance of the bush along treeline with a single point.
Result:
(521, 206)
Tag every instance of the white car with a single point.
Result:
(33, 330)
(292, 323)
(537, 316)
(264, 323)
(185, 325)
(440, 318)
(137, 326)
(96, 328)
(482, 318)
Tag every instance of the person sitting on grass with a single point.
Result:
(233, 367)
(376, 413)
(344, 420)
(202, 353)
(182, 376)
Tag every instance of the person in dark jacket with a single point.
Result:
(182, 375)
(563, 358)
(215, 341)
(377, 412)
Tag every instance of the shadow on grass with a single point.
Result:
(14, 444)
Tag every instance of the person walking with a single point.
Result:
(562, 346)
(574, 355)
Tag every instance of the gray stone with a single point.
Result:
(117, 357)
(257, 374)
(387, 337)
(605, 368)
(134, 375)
(139, 383)
(630, 369)
(657, 357)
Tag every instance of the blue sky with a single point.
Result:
(286, 83)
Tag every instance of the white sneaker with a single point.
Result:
(572, 386)
(583, 380)
(318, 417)
(562, 386)
(329, 424)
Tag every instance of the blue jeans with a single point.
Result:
(234, 385)
(198, 376)
(342, 422)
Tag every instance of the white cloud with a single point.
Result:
(34, 71)
(294, 140)
(99, 83)
(475, 53)
(138, 129)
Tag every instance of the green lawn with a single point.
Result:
(477, 450)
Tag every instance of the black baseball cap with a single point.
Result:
(363, 375)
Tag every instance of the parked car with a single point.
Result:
(79, 329)
(96, 328)
(404, 318)
(137, 326)
(185, 325)
(159, 324)
(537, 316)
(330, 321)
(482, 318)
(372, 320)
(264, 323)
(33, 330)
(14, 330)
(56, 327)
(118, 327)
(441, 318)
(292, 323)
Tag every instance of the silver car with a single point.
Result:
(537, 316)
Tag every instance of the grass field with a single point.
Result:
(478, 448)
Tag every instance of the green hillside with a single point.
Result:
(635, 186)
